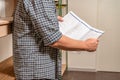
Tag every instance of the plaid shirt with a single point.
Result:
(36, 27)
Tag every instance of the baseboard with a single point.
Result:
(109, 68)
(82, 69)
(102, 69)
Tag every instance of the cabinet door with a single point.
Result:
(86, 10)
(109, 20)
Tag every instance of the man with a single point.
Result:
(37, 40)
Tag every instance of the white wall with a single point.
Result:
(105, 15)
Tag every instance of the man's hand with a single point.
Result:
(60, 18)
(91, 44)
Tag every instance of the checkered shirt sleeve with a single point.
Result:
(44, 19)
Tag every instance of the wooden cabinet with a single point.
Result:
(6, 11)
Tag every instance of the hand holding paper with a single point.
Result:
(76, 28)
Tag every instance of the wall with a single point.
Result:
(105, 15)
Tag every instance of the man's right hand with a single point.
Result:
(91, 44)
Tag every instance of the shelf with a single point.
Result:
(5, 28)
(63, 5)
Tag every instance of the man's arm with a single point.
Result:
(67, 43)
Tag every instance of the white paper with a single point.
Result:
(76, 28)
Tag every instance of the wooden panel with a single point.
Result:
(5, 27)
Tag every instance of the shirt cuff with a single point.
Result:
(52, 38)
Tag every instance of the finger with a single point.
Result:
(60, 18)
